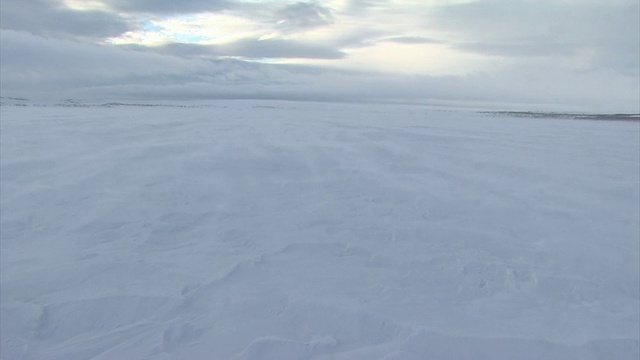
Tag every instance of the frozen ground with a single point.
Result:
(267, 230)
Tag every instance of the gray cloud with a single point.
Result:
(170, 6)
(607, 32)
(525, 49)
(72, 64)
(73, 67)
(277, 48)
(46, 17)
(250, 49)
(357, 7)
(302, 15)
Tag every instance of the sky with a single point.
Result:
(543, 54)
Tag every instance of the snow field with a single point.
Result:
(275, 230)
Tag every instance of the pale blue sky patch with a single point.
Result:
(192, 38)
(152, 27)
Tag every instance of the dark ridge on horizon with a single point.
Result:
(567, 115)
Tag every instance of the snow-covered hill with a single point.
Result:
(274, 230)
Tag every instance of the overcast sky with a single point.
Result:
(555, 54)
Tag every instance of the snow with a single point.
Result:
(275, 230)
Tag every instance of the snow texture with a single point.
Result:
(273, 230)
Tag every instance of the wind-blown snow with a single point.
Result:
(269, 230)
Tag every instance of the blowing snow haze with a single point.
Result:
(551, 54)
(163, 199)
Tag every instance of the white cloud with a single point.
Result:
(204, 28)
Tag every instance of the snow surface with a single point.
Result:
(273, 230)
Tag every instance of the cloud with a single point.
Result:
(102, 73)
(279, 48)
(357, 7)
(171, 7)
(412, 40)
(43, 17)
(77, 69)
(603, 34)
(249, 48)
(522, 48)
(302, 16)
(71, 64)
